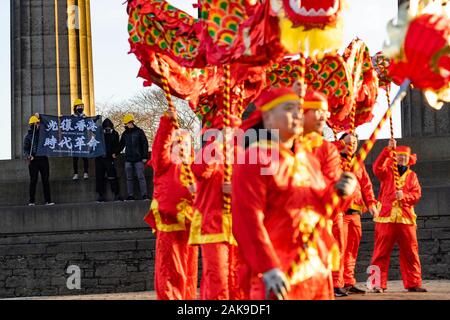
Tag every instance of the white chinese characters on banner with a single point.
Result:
(91, 126)
(71, 136)
(66, 125)
(52, 126)
(80, 125)
(93, 143)
(79, 143)
(50, 142)
(66, 141)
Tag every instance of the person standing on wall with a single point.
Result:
(78, 111)
(136, 153)
(36, 164)
(105, 164)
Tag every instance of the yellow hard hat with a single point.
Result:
(33, 120)
(77, 102)
(128, 118)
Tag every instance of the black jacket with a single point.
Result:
(136, 144)
(27, 142)
(111, 139)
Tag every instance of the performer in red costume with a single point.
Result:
(211, 225)
(315, 109)
(278, 202)
(362, 200)
(176, 261)
(396, 222)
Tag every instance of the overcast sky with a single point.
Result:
(115, 70)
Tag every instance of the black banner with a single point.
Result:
(70, 136)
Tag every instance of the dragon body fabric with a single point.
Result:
(337, 77)
(246, 34)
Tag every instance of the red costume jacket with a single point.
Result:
(327, 154)
(363, 197)
(393, 211)
(172, 201)
(209, 223)
(275, 211)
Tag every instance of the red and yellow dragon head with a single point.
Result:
(309, 25)
(312, 13)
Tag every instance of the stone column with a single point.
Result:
(420, 120)
(43, 75)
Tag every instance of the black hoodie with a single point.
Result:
(111, 138)
(27, 142)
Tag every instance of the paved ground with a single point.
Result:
(438, 290)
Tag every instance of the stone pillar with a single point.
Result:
(43, 75)
(420, 120)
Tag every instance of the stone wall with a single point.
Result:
(110, 261)
(110, 243)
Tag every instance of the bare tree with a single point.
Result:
(147, 107)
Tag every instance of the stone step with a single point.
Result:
(73, 217)
(60, 169)
(64, 191)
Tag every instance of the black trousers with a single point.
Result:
(85, 165)
(39, 165)
(105, 166)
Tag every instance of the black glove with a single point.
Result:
(346, 184)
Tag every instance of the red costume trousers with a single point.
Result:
(340, 237)
(318, 287)
(175, 266)
(219, 272)
(353, 233)
(388, 234)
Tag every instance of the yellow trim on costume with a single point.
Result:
(196, 236)
(357, 207)
(334, 257)
(272, 104)
(312, 140)
(320, 105)
(310, 261)
(403, 153)
(309, 267)
(183, 210)
(396, 211)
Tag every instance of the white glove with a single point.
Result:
(276, 281)
(374, 211)
(399, 195)
(346, 184)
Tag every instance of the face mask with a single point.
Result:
(80, 110)
(402, 169)
(108, 130)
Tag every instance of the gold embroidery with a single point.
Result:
(160, 226)
(396, 215)
(196, 236)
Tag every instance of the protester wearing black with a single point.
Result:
(105, 164)
(136, 153)
(78, 111)
(36, 164)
